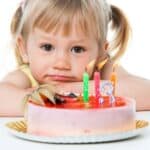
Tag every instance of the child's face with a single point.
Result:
(55, 58)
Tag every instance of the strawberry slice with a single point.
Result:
(119, 102)
(76, 105)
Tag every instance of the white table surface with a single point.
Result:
(9, 142)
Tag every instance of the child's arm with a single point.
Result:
(12, 90)
(134, 87)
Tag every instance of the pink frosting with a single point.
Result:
(63, 122)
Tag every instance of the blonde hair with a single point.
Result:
(92, 16)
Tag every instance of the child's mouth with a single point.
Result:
(61, 78)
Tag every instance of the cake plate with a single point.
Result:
(18, 129)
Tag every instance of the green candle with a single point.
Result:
(85, 87)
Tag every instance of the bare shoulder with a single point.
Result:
(17, 78)
(108, 68)
(124, 78)
(122, 72)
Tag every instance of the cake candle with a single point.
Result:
(97, 84)
(113, 80)
(85, 87)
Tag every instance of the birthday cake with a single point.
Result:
(70, 115)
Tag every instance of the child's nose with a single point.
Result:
(61, 61)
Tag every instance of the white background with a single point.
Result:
(136, 59)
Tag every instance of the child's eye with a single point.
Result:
(78, 49)
(47, 47)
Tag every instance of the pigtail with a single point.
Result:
(14, 29)
(122, 29)
(16, 20)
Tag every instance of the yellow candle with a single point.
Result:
(113, 80)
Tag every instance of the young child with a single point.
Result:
(55, 40)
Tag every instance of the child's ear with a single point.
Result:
(22, 49)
